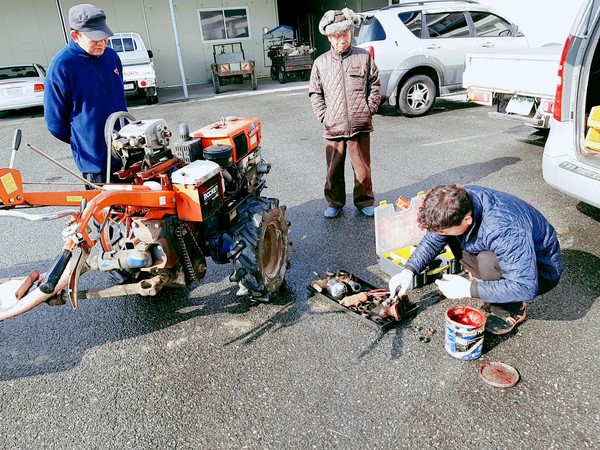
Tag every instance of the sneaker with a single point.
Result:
(503, 325)
(368, 211)
(332, 212)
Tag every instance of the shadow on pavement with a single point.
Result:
(591, 211)
(440, 106)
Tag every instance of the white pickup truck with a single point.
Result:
(139, 77)
(522, 83)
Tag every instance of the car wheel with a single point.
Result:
(416, 96)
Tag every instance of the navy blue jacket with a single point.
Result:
(81, 91)
(519, 235)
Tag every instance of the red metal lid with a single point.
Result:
(498, 374)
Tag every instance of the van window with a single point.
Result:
(120, 45)
(490, 25)
(447, 25)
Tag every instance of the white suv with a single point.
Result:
(420, 47)
(571, 160)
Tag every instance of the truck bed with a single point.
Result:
(530, 71)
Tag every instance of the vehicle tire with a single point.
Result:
(216, 85)
(152, 99)
(253, 81)
(282, 76)
(261, 232)
(273, 73)
(416, 96)
(305, 75)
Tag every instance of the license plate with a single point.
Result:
(129, 86)
(519, 105)
(14, 91)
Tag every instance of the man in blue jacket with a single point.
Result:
(84, 86)
(507, 247)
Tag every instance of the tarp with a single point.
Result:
(280, 33)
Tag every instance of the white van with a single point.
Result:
(138, 70)
(571, 161)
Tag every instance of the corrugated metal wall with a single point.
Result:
(31, 31)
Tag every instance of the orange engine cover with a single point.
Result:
(243, 134)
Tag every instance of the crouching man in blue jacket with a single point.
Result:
(507, 247)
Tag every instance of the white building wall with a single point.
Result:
(32, 31)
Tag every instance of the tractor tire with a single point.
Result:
(305, 75)
(216, 84)
(416, 96)
(261, 234)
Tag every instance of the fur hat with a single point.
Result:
(338, 22)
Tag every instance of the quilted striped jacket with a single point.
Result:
(344, 92)
(519, 235)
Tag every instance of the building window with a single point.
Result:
(220, 24)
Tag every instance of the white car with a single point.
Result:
(21, 86)
(420, 47)
(571, 160)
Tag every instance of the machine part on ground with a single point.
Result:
(395, 307)
(354, 299)
(166, 216)
(365, 305)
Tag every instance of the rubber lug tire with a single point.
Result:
(263, 262)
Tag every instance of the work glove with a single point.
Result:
(400, 283)
(454, 286)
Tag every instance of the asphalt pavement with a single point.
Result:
(200, 368)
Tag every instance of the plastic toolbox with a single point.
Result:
(397, 234)
(367, 312)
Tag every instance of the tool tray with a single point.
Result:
(366, 314)
(397, 234)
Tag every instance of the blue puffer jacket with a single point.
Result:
(519, 235)
(81, 91)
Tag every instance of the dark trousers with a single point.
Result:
(485, 266)
(96, 178)
(359, 149)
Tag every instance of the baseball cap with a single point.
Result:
(90, 20)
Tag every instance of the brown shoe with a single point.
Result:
(503, 325)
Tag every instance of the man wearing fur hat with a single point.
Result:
(344, 93)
